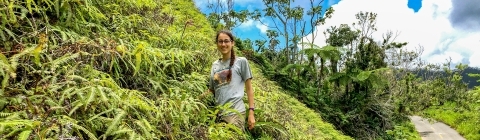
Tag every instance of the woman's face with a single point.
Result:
(224, 43)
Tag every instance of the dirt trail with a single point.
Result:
(434, 131)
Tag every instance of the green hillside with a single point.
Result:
(125, 69)
(300, 121)
(465, 121)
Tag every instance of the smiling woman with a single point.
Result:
(228, 79)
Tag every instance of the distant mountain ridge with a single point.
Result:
(471, 81)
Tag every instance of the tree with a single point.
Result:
(223, 16)
(290, 22)
(363, 85)
(339, 37)
(362, 102)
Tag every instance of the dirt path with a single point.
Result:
(434, 131)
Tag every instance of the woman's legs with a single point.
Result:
(236, 119)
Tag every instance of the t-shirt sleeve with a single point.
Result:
(246, 72)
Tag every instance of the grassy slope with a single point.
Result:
(465, 122)
(109, 90)
(300, 121)
(276, 106)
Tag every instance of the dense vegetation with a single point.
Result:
(351, 91)
(124, 69)
(469, 80)
(134, 68)
(365, 87)
(465, 121)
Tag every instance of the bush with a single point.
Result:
(120, 69)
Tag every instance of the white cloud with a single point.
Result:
(200, 3)
(250, 24)
(247, 24)
(263, 28)
(428, 27)
(474, 59)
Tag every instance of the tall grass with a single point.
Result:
(464, 121)
(122, 69)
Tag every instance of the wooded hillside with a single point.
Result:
(133, 69)
(125, 69)
(362, 85)
(470, 81)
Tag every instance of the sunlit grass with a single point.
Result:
(465, 122)
(279, 107)
(125, 69)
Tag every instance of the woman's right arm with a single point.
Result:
(209, 85)
(206, 93)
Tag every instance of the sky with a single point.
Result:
(445, 28)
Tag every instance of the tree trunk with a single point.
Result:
(320, 75)
(286, 43)
(334, 71)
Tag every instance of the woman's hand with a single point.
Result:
(251, 104)
(204, 94)
(251, 120)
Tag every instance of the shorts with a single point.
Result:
(235, 119)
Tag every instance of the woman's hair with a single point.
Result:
(232, 53)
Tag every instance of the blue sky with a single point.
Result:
(424, 23)
(415, 5)
(251, 30)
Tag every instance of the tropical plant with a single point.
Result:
(121, 69)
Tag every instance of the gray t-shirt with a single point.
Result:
(234, 91)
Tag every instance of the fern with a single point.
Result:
(66, 58)
(5, 114)
(145, 128)
(114, 124)
(67, 73)
(89, 134)
(24, 135)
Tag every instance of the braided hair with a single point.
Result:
(232, 53)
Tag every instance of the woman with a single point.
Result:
(228, 79)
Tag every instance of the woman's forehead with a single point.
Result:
(223, 36)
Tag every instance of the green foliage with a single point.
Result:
(221, 15)
(289, 23)
(462, 115)
(404, 131)
(364, 87)
(122, 69)
(345, 82)
(244, 45)
(475, 94)
(440, 86)
(79, 101)
(287, 113)
(464, 121)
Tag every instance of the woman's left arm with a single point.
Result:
(248, 85)
(251, 103)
